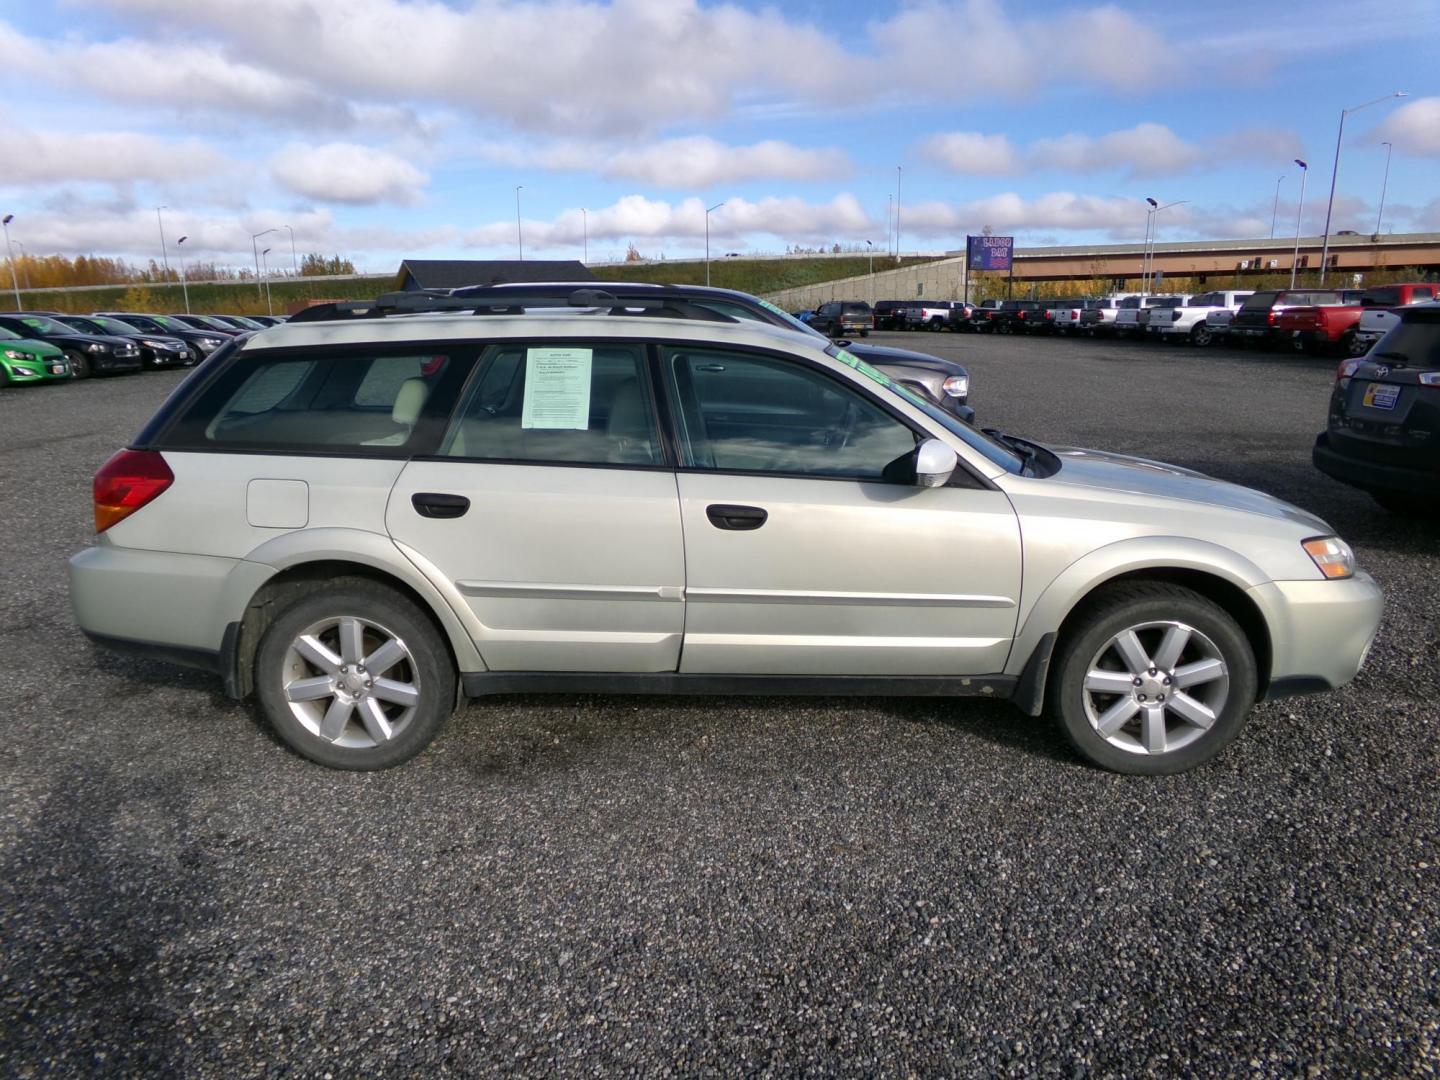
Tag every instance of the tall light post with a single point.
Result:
(584, 237)
(294, 262)
(25, 262)
(269, 308)
(254, 249)
(1276, 208)
(1335, 173)
(1145, 247)
(870, 250)
(897, 214)
(519, 234)
(1295, 258)
(1383, 185)
(10, 257)
(184, 288)
(707, 237)
(1155, 233)
(164, 255)
(889, 216)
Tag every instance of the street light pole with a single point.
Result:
(1276, 209)
(1155, 234)
(1383, 185)
(1295, 259)
(584, 237)
(707, 238)
(897, 214)
(519, 233)
(889, 216)
(255, 250)
(10, 257)
(1335, 173)
(294, 262)
(184, 288)
(164, 255)
(25, 262)
(269, 307)
(1145, 247)
(870, 250)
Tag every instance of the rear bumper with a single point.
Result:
(1320, 631)
(1371, 475)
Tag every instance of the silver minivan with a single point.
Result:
(373, 512)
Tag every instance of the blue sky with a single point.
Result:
(383, 128)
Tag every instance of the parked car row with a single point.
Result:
(41, 346)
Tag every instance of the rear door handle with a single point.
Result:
(735, 518)
(434, 504)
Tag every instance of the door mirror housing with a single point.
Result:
(934, 463)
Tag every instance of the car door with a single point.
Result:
(801, 557)
(552, 508)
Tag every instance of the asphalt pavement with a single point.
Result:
(581, 885)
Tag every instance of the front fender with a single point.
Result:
(1069, 587)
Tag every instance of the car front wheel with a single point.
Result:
(1153, 679)
(354, 676)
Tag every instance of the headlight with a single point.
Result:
(154, 344)
(98, 346)
(11, 354)
(208, 343)
(957, 385)
(1332, 555)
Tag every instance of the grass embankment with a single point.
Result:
(758, 276)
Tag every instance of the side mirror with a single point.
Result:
(934, 462)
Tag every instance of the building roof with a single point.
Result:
(456, 273)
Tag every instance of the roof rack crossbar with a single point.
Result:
(510, 302)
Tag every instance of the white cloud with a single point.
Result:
(972, 153)
(1012, 212)
(627, 66)
(347, 173)
(44, 157)
(1146, 150)
(686, 163)
(1414, 128)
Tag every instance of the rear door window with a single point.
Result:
(561, 403)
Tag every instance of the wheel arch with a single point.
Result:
(1050, 622)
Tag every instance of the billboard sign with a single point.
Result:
(989, 252)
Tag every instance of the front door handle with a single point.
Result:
(735, 518)
(434, 504)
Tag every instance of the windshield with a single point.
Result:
(168, 323)
(994, 451)
(46, 326)
(9, 335)
(85, 326)
(790, 320)
(247, 323)
(114, 326)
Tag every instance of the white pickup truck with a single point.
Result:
(1067, 320)
(1131, 321)
(1191, 322)
(1375, 322)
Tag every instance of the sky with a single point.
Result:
(384, 129)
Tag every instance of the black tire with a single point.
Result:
(1107, 615)
(1201, 336)
(79, 364)
(1405, 505)
(429, 668)
(1352, 346)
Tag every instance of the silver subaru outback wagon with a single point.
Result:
(364, 516)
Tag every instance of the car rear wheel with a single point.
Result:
(79, 364)
(1354, 346)
(1201, 336)
(1153, 679)
(354, 677)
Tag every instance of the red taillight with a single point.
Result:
(1270, 317)
(125, 483)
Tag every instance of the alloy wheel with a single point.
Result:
(351, 682)
(1156, 687)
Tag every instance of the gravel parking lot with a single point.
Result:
(581, 885)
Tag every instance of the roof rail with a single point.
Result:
(510, 302)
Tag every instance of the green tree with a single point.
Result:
(316, 265)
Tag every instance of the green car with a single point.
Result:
(25, 360)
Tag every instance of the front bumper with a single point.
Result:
(1320, 631)
(1373, 475)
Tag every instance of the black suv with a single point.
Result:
(1384, 431)
(892, 314)
(842, 318)
(943, 381)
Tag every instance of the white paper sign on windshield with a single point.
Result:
(557, 389)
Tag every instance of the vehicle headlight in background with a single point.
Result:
(98, 346)
(957, 386)
(11, 354)
(208, 343)
(154, 344)
(1332, 555)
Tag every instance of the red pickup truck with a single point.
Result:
(1326, 329)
